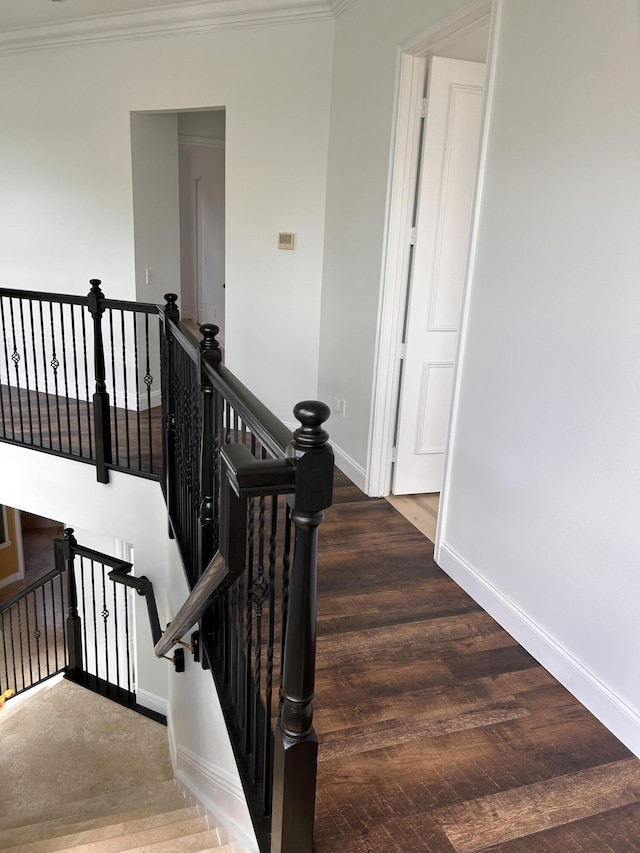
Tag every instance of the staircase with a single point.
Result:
(157, 819)
(82, 773)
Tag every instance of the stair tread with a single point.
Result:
(120, 826)
(97, 806)
(55, 827)
(170, 832)
(202, 842)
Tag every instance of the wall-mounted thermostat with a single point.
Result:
(286, 240)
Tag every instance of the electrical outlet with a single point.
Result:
(339, 406)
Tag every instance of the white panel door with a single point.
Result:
(445, 198)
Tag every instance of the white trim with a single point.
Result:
(179, 19)
(393, 292)
(489, 89)
(207, 141)
(152, 702)
(354, 471)
(393, 295)
(340, 6)
(217, 790)
(605, 704)
(465, 18)
(16, 576)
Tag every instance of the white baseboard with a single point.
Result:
(612, 710)
(217, 791)
(349, 466)
(16, 576)
(152, 702)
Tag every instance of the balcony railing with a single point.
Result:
(126, 386)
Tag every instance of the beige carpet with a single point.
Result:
(66, 744)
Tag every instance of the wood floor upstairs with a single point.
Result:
(437, 731)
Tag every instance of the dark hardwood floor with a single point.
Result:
(437, 731)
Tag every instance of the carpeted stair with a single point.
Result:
(147, 819)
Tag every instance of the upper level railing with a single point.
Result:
(79, 377)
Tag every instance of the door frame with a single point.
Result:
(414, 57)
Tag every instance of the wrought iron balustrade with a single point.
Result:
(84, 377)
(79, 377)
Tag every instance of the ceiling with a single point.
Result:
(17, 14)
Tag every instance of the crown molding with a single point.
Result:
(339, 6)
(209, 16)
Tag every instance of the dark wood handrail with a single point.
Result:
(19, 596)
(191, 611)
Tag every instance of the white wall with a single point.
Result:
(156, 219)
(202, 755)
(65, 169)
(542, 488)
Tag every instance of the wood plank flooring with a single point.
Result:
(437, 731)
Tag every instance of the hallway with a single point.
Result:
(437, 731)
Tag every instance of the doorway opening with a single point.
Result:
(464, 38)
(178, 175)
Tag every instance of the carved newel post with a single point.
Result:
(210, 354)
(74, 625)
(101, 414)
(296, 743)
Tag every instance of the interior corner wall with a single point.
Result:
(66, 176)
(156, 208)
(539, 509)
(363, 102)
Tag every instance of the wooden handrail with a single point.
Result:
(195, 605)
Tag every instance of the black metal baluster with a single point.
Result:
(248, 687)
(28, 629)
(127, 644)
(126, 394)
(95, 615)
(8, 371)
(86, 383)
(3, 630)
(116, 430)
(46, 626)
(15, 357)
(105, 616)
(55, 622)
(268, 737)
(36, 632)
(75, 374)
(259, 593)
(35, 373)
(13, 649)
(116, 631)
(26, 369)
(66, 378)
(83, 587)
(137, 369)
(45, 372)
(148, 381)
(55, 364)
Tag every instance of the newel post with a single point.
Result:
(210, 354)
(101, 412)
(171, 314)
(74, 625)
(296, 742)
